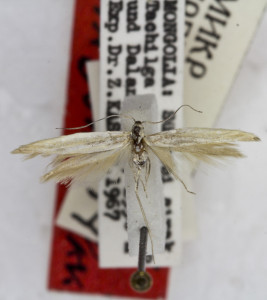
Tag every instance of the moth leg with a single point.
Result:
(135, 174)
(184, 185)
(139, 179)
(178, 178)
(166, 158)
(148, 169)
(144, 187)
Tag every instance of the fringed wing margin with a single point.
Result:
(79, 156)
(205, 144)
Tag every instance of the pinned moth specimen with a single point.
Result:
(80, 155)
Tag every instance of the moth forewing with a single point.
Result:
(191, 136)
(79, 155)
(78, 143)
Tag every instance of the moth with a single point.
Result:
(83, 155)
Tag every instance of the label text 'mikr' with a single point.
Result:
(207, 38)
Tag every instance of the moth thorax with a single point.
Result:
(137, 132)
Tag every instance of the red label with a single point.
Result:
(74, 260)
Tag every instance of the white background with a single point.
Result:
(229, 258)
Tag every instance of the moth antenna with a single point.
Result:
(162, 121)
(111, 116)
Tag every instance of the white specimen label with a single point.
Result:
(141, 53)
(218, 34)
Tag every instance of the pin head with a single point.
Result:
(141, 281)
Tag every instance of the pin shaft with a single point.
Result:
(142, 249)
(141, 281)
